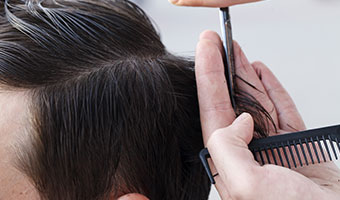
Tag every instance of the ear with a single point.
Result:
(133, 196)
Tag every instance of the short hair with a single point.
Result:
(112, 110)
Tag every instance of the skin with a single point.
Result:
(133, 196)
(240, 176)
(210, 3)
(13, 120)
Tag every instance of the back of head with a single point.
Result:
(112, 111)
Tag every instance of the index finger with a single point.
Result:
(215, 108)
(210, 3)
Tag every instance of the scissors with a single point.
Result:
(229, 61)
(229, 67)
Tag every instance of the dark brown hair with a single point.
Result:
(113, 111)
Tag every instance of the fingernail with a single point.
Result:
(173, 1)
(241, 118)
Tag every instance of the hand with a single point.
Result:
(240, 176)
(210, 3)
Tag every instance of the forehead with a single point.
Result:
(13, 123)
(13, 110)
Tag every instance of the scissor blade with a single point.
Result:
(229, 62)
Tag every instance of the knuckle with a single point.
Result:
(220, 106)
(260, 68)
(209, 34)
(259, 64)
(260, 96)
(215, 137)
(219, 137)
(277, 89)
(208, 75)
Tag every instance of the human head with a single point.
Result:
(108, 111)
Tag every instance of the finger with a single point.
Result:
(212, 92)
(229, 151)
(243, 176)
(213, 37)
(210, 3)
(288, 115)
(214, 102)
(250, 82)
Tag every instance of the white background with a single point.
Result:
(298, 39)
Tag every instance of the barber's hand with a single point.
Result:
(240, 176)
(210, 3)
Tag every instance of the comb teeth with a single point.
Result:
(298, 149)
(315, 150)
(336, 141)
(309, 151)
(298, 155)
(321, 149)
(291, 154)
(279, 153)
(332, 145)
(274, 157)
(303, 151)
(326, 146)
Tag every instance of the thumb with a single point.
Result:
(240, 132)
(228, 148)
(243, 128)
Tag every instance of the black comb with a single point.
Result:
(292, 149)
(299, 148)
